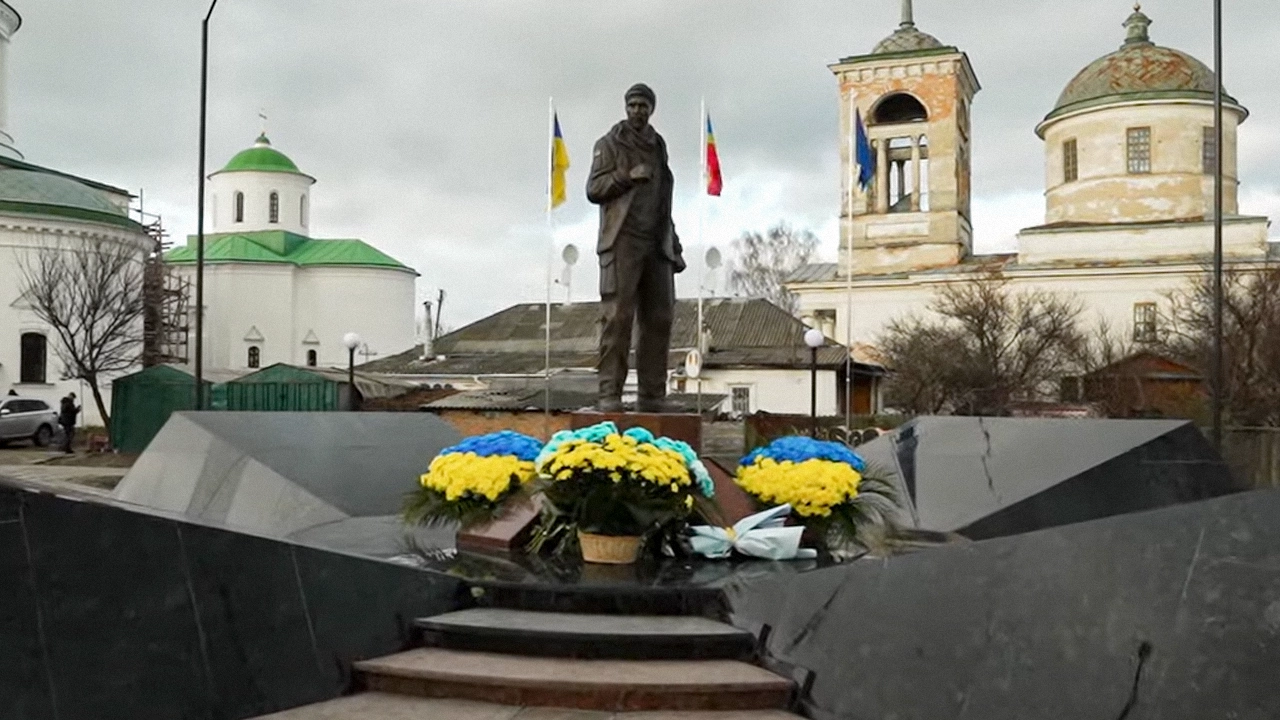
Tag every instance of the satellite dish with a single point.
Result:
(570, 254)
(713, 258)
(693, 364)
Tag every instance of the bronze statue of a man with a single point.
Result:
(639, 253)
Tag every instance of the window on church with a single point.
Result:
(1138, 144)
(1144, 322)
(825, 320)
(1070, 161)
(239, 207)
(255, 356)
(34, 360)
(302, 211)
(1209, 151)
(311, 358)
(273, 207)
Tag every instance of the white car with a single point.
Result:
(27, 419)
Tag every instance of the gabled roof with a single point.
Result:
(745, 333)
(280, 246)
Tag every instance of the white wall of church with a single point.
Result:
(1105, 293)
(377, 305)
(285, 310)
(1106, 192)
(20, 239)
(292, 190)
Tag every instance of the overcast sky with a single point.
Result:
(424, 121)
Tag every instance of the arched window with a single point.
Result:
(311, 358)
(899, 108)
(302, 210)
(239, 207)
(213, 209)
(274, 205)
(35, 352)
(255, 356)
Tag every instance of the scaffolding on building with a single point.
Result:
(166, 294)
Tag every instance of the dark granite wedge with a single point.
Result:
(614, 685)
(572, 635)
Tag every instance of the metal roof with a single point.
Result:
(744, 333)
(279, 246)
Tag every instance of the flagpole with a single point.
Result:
(702, 261)
(551, 251)
(850, 393)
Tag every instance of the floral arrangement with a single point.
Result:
(601, 481)
(824, 482)
(469, 482)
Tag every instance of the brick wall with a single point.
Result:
(536, 424)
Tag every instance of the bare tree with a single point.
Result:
(1251, 339)
(763, 261)
(92, 297)
(985, 348)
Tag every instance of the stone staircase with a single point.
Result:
(500, 663)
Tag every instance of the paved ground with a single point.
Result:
(27, 465)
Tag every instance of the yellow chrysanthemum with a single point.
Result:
(458, 474)
(811, 487)
(621, 457)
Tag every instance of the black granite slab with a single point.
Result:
(581, 635)
(1173, 612)
(669, 586)
(108, 612)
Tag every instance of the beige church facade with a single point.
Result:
(1129, 162)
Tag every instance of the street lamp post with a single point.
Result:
(814, 339)
(351, 341)
(1217, 369)
(204, 104)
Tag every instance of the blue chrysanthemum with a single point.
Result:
(504, 442)
(798, 449)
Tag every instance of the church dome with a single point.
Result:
(1139, 70)
(906, 39)
(261, 158)
(30, 187)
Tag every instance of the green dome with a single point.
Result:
(261, 158)
(1139, 70)
(56, 191)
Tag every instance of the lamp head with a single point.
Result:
(351, 341)
(814, 338)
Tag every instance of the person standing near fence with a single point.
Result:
(67, 413)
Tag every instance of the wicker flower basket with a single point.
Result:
(609, 549)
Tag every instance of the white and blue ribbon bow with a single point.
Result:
(762, 535)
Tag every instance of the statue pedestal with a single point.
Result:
(508, 533)
(686, 427)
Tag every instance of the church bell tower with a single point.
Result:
(914, 95)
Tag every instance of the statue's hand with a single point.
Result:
(641, 173)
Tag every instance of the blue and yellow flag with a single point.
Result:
(559, 163)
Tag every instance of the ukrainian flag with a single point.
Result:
(559, 163)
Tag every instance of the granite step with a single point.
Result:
(385, 706)
(575, 635)
(610, 685)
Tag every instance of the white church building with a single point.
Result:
(274, 294)
(43, 209)
(1129, 162)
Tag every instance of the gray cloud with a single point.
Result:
(425, 120)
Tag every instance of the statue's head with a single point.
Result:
(640, 104)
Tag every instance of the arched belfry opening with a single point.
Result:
(899, 108)
(907, 197)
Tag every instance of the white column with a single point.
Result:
(915, 173)
(9, 24)
(882, 176)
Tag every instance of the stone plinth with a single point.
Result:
(508, 533)
(686, 427)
